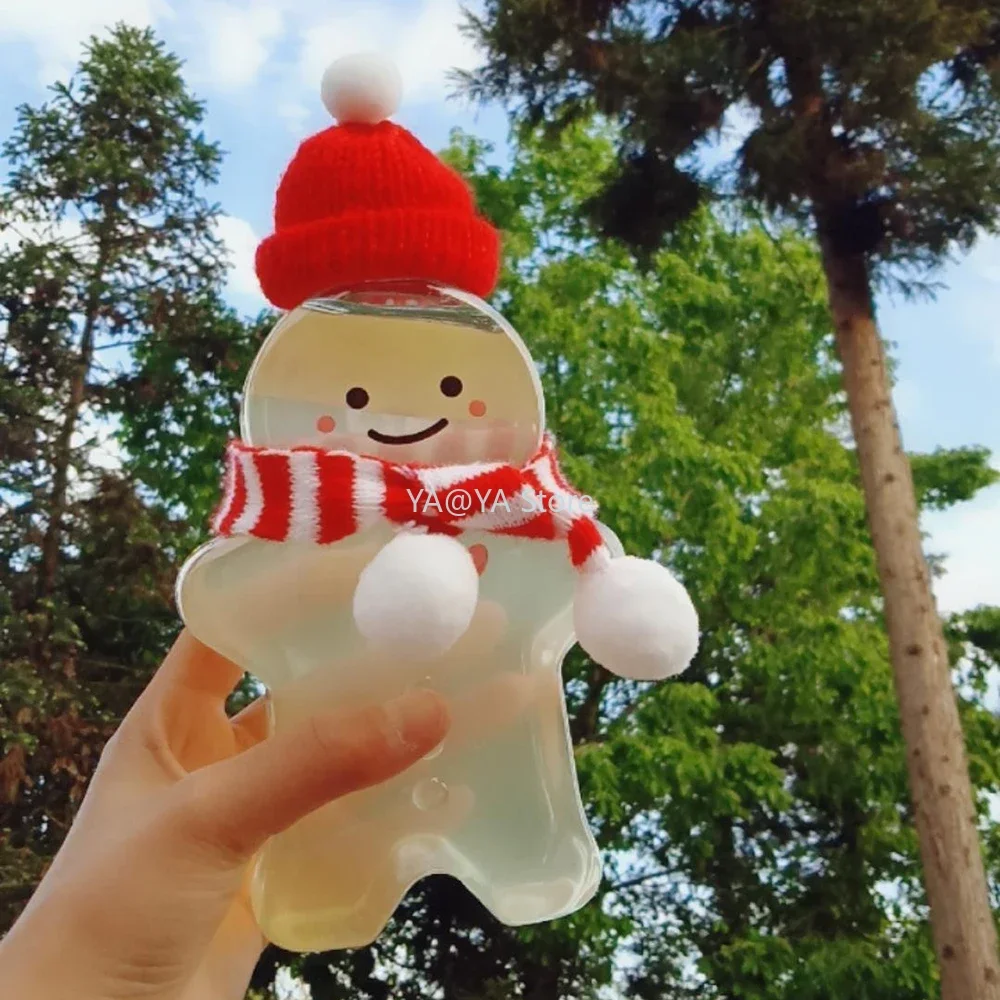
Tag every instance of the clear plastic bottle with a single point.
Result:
(412, 373)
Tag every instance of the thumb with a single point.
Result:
(236, 804)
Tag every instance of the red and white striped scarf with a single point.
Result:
(308, 494)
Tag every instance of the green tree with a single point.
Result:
(110, 260)
(753, 814)
(874, 124)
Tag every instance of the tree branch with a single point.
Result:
(638, 880)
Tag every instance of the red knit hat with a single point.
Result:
(364, 200)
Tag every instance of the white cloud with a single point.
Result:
(423, 39)
(431, 46)
(232, 39)
(241, 243)
(968, 536)
(57, 29)
(232, 45)
(237, 40)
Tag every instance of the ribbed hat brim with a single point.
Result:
(448, 248)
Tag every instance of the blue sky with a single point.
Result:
(258, 64)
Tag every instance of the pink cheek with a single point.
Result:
(480, 557)
(477, 408)
(325, 424)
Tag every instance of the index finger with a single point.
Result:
(237, 803)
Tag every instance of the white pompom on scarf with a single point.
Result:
(416, 598)
(634, 618)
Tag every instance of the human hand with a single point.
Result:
(148, 895)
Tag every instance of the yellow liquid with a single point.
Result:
(497, 805)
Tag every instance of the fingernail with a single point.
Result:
(419, 718)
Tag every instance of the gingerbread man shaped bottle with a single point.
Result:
(394, 516)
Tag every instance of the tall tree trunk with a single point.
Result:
(962, 925)
(63, 445)
(63, 458)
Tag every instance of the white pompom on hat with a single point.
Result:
(365, 89)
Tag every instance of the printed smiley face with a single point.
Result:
(401, 384)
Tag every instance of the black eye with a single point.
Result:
(451, 385)
(357, 398)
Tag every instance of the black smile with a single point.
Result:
(409, 438)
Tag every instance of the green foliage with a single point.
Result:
(753, 814)
(110, 242)
(948, 476)
(877, 119)
(179, 404)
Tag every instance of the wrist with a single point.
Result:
(38, 961)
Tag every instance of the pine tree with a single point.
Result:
(876, 126)
(108, 248)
